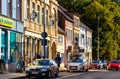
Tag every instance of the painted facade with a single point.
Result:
(76, 18)
(34, 28)
(66, 23)
(85, 42)
(61, 45)
(11, 32)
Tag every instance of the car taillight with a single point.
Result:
(119, 66)
(108, 65)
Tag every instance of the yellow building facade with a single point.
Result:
(76, 18)
(34, 25)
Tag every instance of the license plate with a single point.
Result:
(34, 72)
(113, 68)
(73, 67)
(43, 73)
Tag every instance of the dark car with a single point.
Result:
(114, 65)
(96, 64)
(42, 67)
(104, 64)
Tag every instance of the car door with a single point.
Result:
(53, 67)
(85, 64)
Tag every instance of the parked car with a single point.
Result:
(96, 64)
(104, 62)
(114, 65)
(42, 67)
(77, 64)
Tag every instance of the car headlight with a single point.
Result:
(80, 65)
(43, 69)
(27, 69)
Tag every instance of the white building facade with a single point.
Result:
(85, 38)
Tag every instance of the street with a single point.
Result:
(102, 74)
(92, 74)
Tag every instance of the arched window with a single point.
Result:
(54, 16)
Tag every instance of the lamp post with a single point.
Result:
(98, 39)
(44, 34)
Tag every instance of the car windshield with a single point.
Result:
(103, 61)
(77, 60)
(96, 61)
(116, 62)
(41, 62)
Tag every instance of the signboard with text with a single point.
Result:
(6, 22)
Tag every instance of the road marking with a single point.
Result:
(69, 76)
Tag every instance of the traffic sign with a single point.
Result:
(44, 34)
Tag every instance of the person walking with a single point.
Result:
(38, 56)
(20, 64)
(58, 60)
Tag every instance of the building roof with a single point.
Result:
(64, 12)
(61, 31)
(85, 26)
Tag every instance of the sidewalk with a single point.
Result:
(10, 75)
(62, 69)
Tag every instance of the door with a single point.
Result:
(3, 46)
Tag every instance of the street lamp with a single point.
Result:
(98, 38)
(44, 34)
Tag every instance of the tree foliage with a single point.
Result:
(106, 15)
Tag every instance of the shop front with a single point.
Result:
(10, 42)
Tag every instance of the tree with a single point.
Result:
(107, 13)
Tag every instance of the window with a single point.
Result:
(38, 14)
(42, 16)
(54, 17)
(15, 46)
(33, 10)
(28, 9)
(28, 47)
(38, 46)
(33, 47)
(46, 17)
(0, 6)
(19, 11)
(60, 39)
(82, 39)
(9, 8)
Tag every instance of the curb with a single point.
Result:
(62, 70)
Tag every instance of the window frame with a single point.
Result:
(0, 6)
(19, 10)
(9, 8)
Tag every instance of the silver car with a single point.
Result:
(77, 64)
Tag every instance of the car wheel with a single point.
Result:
(49, 74)
(87, 70)
(83, 69)
(27, 75)
(57, 73)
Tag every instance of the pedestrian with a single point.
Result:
(58, 60)
(38, 56)
(20, 64)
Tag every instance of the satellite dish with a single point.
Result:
(33, 15)
(51, 22)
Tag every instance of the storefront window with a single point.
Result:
(15, 46)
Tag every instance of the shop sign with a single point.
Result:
(6, 22)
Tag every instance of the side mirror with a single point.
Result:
(51, 64)
(33, 63)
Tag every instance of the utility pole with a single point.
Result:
(98, 38)
(44, 29)
(44, 34)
